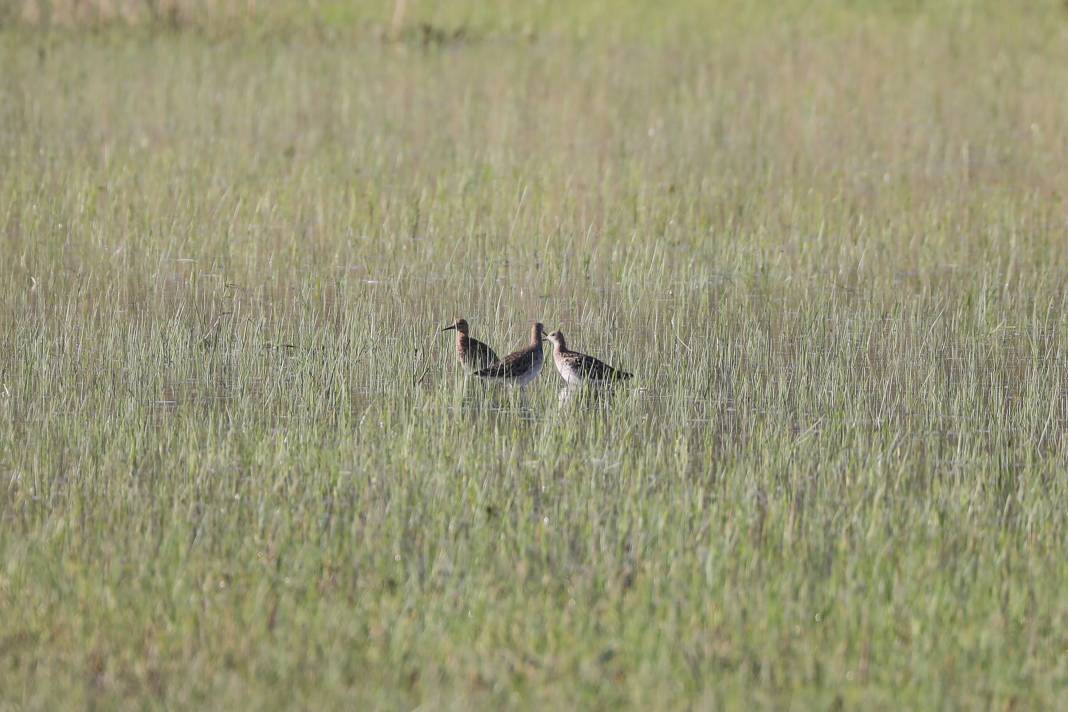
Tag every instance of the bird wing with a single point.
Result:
(482, 352)
(596, 370)
(510, 366)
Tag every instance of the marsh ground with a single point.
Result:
(238, 466)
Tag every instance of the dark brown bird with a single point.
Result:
(473, 354)
(520, 367)
(576, 368)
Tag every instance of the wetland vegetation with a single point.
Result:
(238, 463)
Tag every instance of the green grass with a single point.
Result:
(239, 468)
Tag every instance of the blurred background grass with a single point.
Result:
(593, 18)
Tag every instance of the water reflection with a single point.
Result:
(586, 396)
(482, 399)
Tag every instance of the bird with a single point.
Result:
(576, 368)
(473, 354)
(520, 367)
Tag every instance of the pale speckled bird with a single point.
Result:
(576, 368)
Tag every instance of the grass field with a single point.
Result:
(239, 466)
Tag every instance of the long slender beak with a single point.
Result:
(449, 328)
